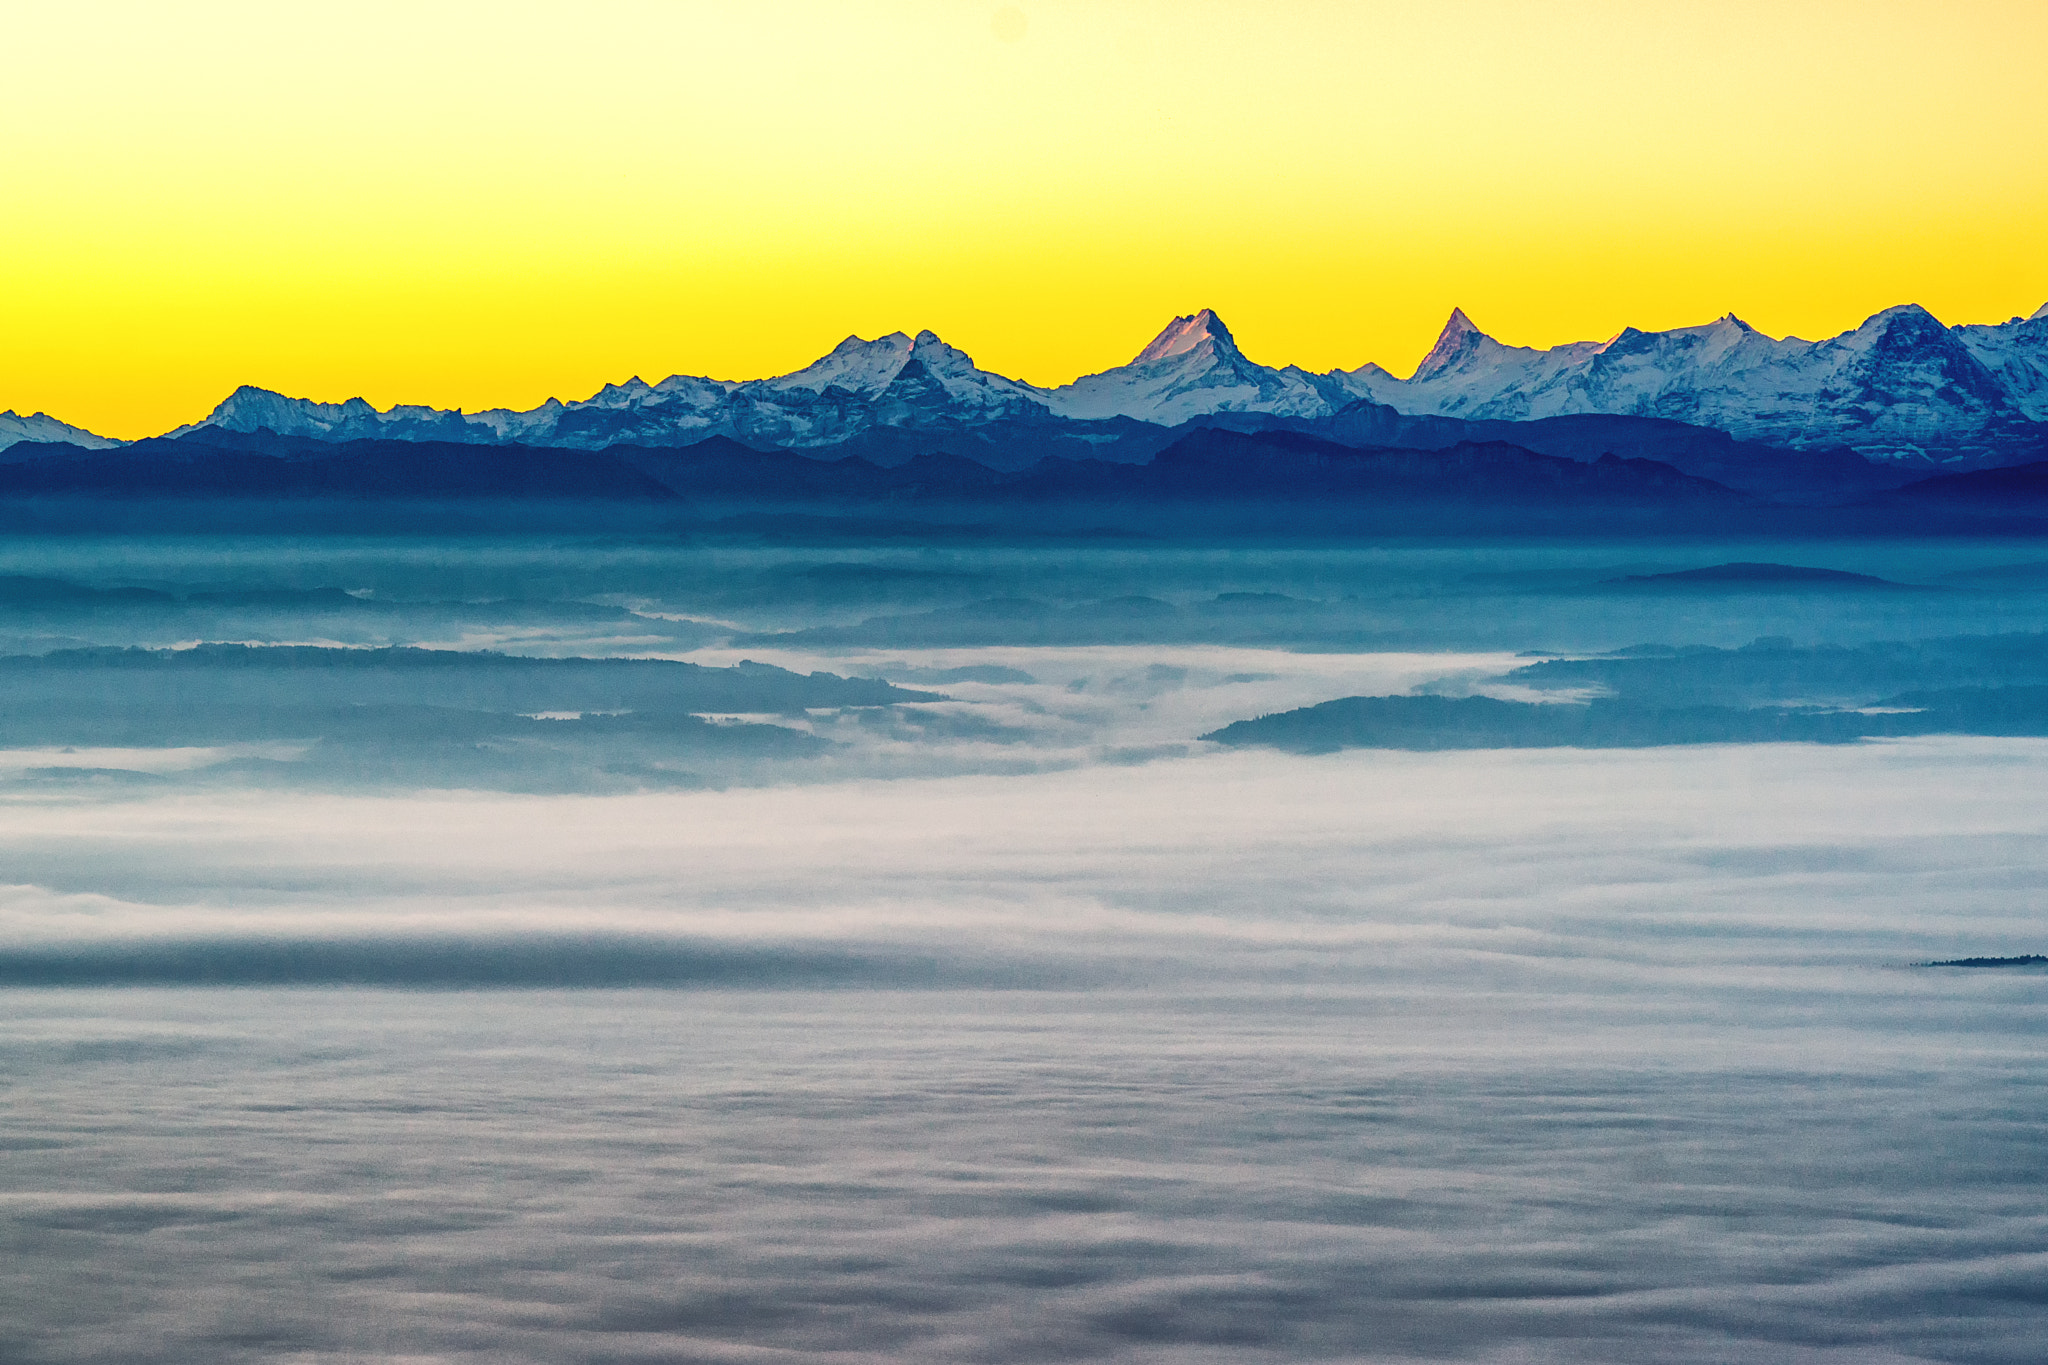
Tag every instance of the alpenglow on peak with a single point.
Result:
(1458, 340)
(1185, 334)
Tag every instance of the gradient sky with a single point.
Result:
(472, 204)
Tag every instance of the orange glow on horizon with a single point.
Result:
(479, 205)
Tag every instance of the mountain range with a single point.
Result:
(1899, 389)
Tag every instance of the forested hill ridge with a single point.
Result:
(1247, 477)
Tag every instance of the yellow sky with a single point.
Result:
(476, 204)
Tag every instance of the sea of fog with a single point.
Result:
(910, 980)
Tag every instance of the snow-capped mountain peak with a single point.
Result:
(249, 408)
(1457, 345)
(1183, 335)
(1190, 369)
(2038, 314)
(922, 370)
(1469, 374)
(970, 387)
(1914, 319)
(855, 364)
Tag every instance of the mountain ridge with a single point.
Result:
(1900, 388)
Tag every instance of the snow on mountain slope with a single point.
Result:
(856, 365)
(1191, 369)
(868, 369)
(1469, 374)
(975, 389)
(1901, 386)
(617, 412)
(2016, 353)
(249, 408)
(893, 381)
(680, 409)
(40, 426)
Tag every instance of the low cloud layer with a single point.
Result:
(1547, 1056)
(1017, 1025)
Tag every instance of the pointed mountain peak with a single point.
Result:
(855, 364)
(2038, 314)
(248, 398)
(1911, 313)
(929, 345)
(1904, 326)
(940, 356)
(1458, 340)
(1185, 334)
(856, 345)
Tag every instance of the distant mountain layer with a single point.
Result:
(216, 464)
(1901, 388)
(1719, 577)
(2015, 486)
(1262, 479)
(1430, 722)
(469, 469)
(1205, 466)
(1771, 690)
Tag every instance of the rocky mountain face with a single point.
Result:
(2016, 355)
